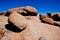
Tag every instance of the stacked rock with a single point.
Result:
(25, 11)
(25, 19)
(46, 18)
(16, 18)
(53, 19)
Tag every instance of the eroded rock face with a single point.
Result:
(17, 20)
(48, 20)
(54, 17)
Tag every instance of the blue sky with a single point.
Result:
(43, 6)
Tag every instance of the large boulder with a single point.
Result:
(31, 10)
(28, 10)
(56, 17)
(48, 20)
(17, 20)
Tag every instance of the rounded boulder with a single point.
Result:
(31, 10)
(17, 20)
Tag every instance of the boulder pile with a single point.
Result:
(53, 19)
(23, 23)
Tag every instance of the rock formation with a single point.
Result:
(24, 24)
(56, 17)
(17, 20)
(27, 10)
(48, 20)
(31, 10)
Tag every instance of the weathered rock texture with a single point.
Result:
(29, 27)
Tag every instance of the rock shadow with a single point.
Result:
(56, 24)
(13, 28)
(45, 22)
